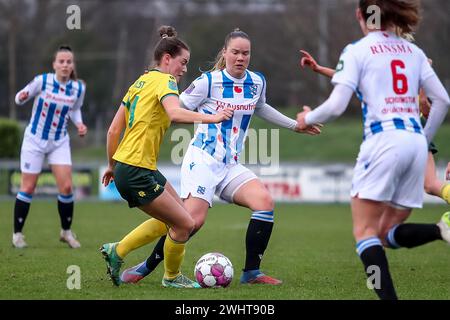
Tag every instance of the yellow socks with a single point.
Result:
(143, 234)
(445, 193)
(173, 257)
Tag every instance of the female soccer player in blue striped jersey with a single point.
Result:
(58, 97)
(211, 165)
(387, 72)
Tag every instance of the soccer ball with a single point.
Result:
(214, 270)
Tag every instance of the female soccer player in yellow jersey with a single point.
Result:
(211, 164)
(147, 109)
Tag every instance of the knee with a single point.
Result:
(384, 231)
(428, 187)
(267, 202)
(28, 189)
(361, 232)
(198, 223)
(66, 188)
(28, 186)
(189, 225)
(263, 202)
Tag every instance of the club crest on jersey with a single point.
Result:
(173, 85)
(254, 89)
(340, 66)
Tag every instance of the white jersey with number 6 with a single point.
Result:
(386, 71)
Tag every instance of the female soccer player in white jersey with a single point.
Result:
(433, 185)
(211, 164)
(57, 97)
(387, 71)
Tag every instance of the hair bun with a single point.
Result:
(64, 47)
(167, 31)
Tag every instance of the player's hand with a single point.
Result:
(82, 129)
(308, 60)
(301, 123)
(108, 176)
(225, 114)
(447, 172)
(312, 130)
(23, 96)
(424, 106)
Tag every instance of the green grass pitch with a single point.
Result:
(311, 250)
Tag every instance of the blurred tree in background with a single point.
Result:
(116, 39)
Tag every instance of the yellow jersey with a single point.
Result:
(146, 119)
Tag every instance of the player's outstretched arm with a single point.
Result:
(112, 142)
(30, 91)
(440, 101)
(271, 115)
(327, 111)
(308, 60)
(171, 104)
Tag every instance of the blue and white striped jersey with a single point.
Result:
(53, 105)
(386, 71)
(217, 90)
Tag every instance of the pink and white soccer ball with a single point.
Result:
(214, 270)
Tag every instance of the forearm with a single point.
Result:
(176, 113)
(332, 108)
(181, 115)
(17, 100)
(30, 91)
(272, 115)
(23, 101)
(113, 136)
(440, 101)
(112, 142)
(76, 117)
(328, 72)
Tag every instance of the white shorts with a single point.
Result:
(34, 151)
(202, 176)
(391, 168)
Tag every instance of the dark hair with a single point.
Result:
(219, 63)
(402, 14)
(66, 48)
(169, 43)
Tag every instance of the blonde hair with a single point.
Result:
(219, 63)
(408, 36)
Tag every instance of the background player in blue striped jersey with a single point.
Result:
(211, 164)
(57, 97)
